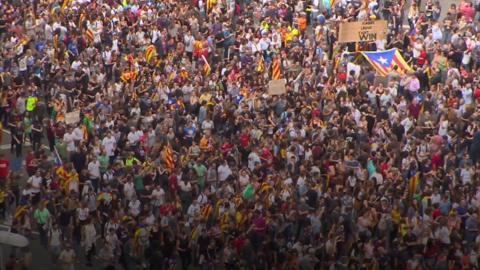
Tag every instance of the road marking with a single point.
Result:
(26, 144)
(7, 146)
(8, 228)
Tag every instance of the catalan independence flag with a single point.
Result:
(207, 69)
(66, 4)
(90, 35)
(150, 53)
(169, 162)
(413, 184)
(385, 62)
(81, 19)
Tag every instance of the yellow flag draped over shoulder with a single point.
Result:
(211, 4)
(66, 4)
(260, 65)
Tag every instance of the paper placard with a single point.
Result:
(362, 31)
(276, 87)
(72, 117)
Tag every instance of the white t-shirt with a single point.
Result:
(55, 235)
(78, 134)
(466, 176)
(69, 139)
(134, 207)
(129, 190)
(83, 213)
(253, 160)
(134, 137)
(110, 144)
(94, 169)
(223, 172)
(467, 95)
(159, 196)
(443, 128)
(36, 182)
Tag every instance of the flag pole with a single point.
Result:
(206, 62)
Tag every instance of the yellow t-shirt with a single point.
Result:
(31, 103)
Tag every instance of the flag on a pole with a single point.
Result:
(57, 159)
(169, 162)
(413, 184)
(81, 19)
(150, 53)
(385, 62)
(65, 4)
(276, 69)
(206, 67)
(128, 76)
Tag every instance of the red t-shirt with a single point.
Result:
(31, 163)
(267, 156)
(173, 183)
(436, 161)
(414, 109)
(436, 213)
(239, 243)
(244, 140)
(4, 168)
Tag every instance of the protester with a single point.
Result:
(155, 142)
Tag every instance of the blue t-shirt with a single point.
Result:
(189, 131)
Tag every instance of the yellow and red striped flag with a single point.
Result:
(89, 35)
(206, 67)
(20, 211)
(150, 53)
(413, 184)
(128, 76)
(276, 69)
(169, 162)
(65, 4)
(81, 19)
(206, 211)
(265, 187)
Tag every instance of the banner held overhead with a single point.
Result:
(362, 31)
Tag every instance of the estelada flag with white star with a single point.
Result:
(385, 62)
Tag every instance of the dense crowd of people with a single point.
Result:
(154, 142)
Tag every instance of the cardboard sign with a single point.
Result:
(362, 31)
(276, 87)
(72, 117)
